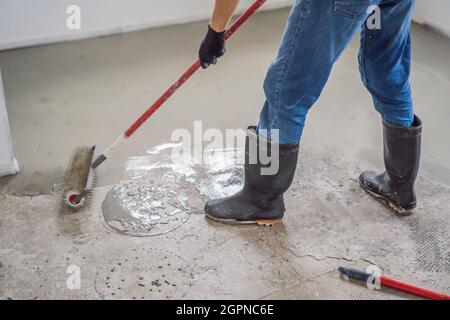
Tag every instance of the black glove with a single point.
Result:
(212, 47)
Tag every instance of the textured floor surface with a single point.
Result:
(86, 92)
(330, 222)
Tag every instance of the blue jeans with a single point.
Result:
(316, 34)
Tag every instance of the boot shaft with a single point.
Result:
(402, 148)
(269, 166)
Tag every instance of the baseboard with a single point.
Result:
(437, 27)
(9, 168)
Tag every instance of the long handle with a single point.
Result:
(397, 285)
(166, 95)
(417, 291)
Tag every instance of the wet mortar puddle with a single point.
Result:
(164, 189)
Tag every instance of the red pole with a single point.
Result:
(420, 292)
(397, 285)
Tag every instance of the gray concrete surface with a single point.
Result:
(87, 92)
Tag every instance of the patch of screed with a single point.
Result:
(223, 174)
(146, 273)
(163, 189)
(218, 173)
(431, 244)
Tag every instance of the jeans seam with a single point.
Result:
(287, 59)
(363, 58)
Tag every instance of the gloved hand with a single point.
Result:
(212, 47)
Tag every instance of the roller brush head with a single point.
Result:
(78, 175)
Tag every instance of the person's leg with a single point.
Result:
(316, 34)
(385, 62)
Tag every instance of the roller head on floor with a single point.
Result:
(79, 178)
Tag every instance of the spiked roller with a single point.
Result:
(79, 178)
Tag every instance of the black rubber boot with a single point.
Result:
(261, 199)
(401, 159)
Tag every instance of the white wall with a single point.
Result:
(31, 22)
(8, 164)
(435, 13)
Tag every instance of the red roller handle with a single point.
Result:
(192, 69)
(420, 292)
(397, 285)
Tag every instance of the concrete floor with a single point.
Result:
(87, 92)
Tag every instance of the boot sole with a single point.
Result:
(398, 210)
(264, 223)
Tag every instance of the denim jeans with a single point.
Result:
(316, 34)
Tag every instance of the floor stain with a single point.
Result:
(152, 274)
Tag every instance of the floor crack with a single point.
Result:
(283, 259)
(322, 258)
